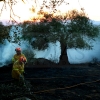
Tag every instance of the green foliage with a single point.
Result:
(4, 33)
(83, 25)
(80, 31)
(43, 33)
(39, 32)
(76, 33)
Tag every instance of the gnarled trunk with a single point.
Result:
(63, 56)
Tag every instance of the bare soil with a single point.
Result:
(72, 82)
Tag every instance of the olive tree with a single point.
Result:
(74, 30)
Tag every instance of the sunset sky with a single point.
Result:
(22, 9)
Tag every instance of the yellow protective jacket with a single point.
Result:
(17, 70)
(17, 67)
(16, 57)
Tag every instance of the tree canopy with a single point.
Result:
(4, 33)
(75, 30)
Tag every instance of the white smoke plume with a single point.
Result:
(7, 50)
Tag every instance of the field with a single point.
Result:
(72, 82)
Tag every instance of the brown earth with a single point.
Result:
(72, 82)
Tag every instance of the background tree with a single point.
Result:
(74, 30)
(4, 33)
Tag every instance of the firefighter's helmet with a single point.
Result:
(18, 49)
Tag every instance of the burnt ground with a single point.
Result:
(72, 82)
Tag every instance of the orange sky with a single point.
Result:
(22, 10)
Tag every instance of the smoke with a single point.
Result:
(51, 53)
(85, 56)
(7, 50)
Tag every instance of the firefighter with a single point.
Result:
(18, 69)
(18, 65)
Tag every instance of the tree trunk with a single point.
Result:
(63, 56)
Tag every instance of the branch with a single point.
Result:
(10, 4)
(2, 7)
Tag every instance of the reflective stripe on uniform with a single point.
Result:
(17, 69)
